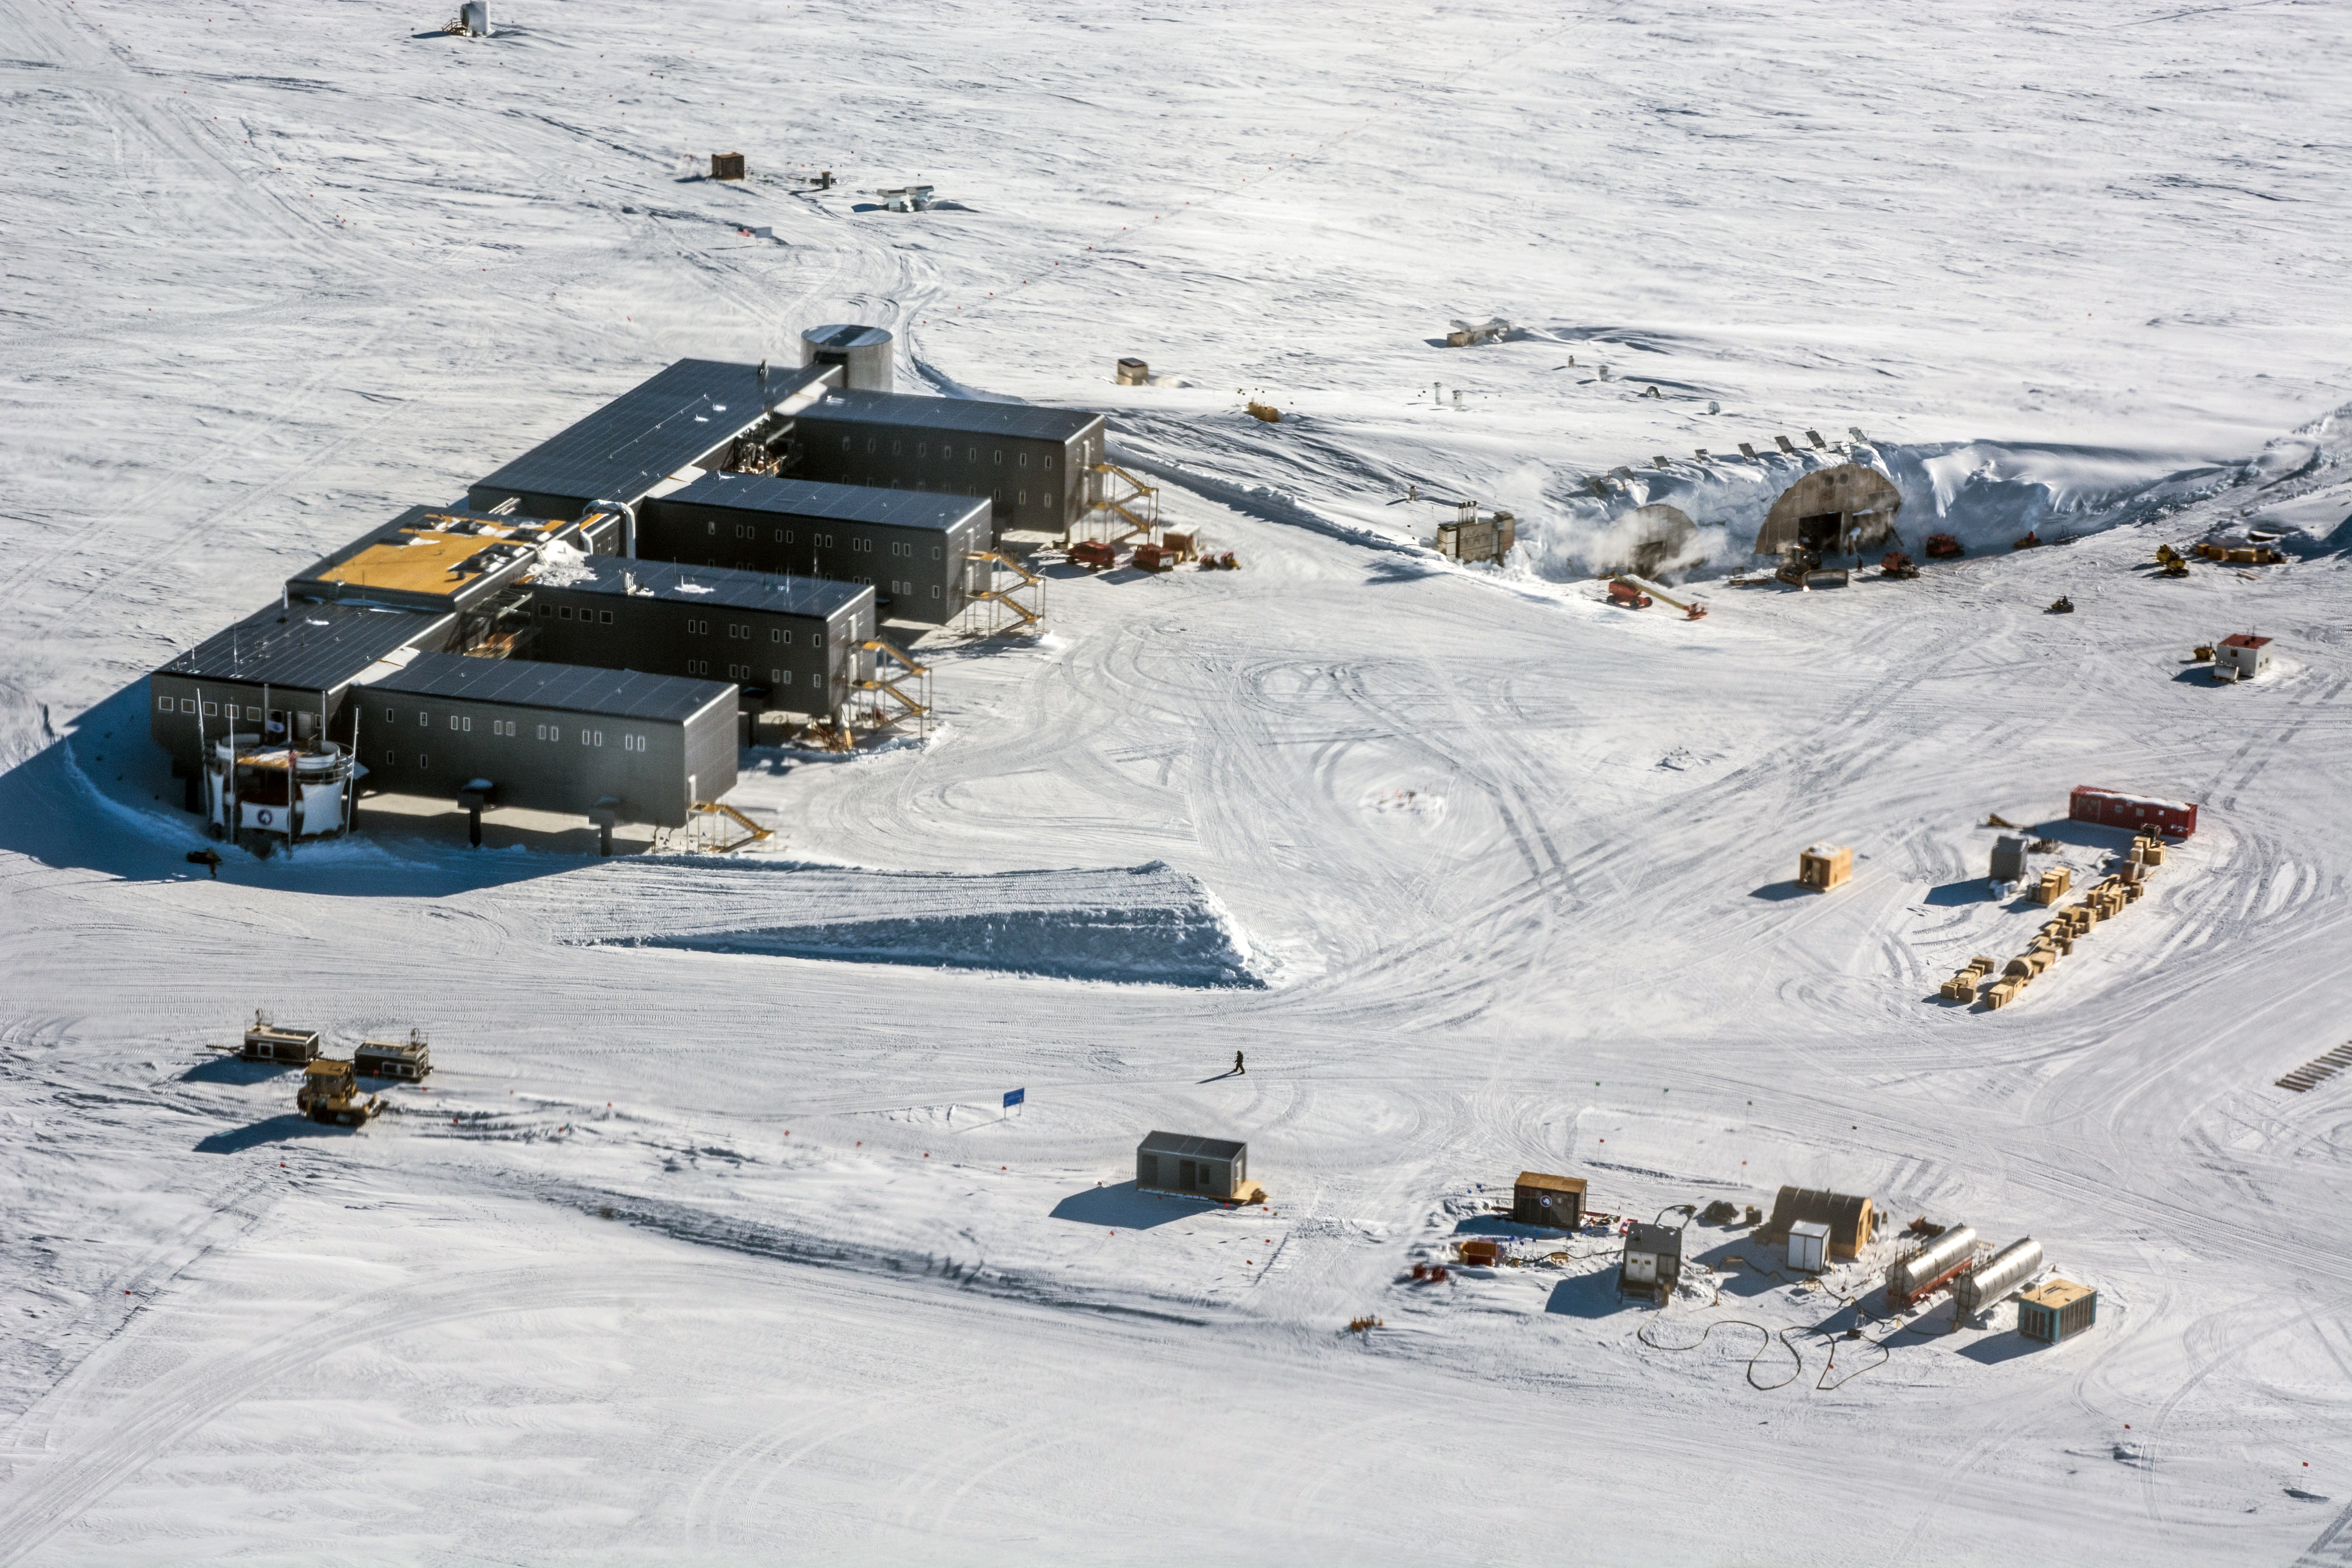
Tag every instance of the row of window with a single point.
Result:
(946, 450)
(824, 541)
(564, 612)
(548, 732)
(211, 709)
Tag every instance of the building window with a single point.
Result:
(423, 761)
(212, 710)
(389, 716)
(935, 591)
(844, 444)
(187, 704)
(1024, 498)
(711, 527)
(547, 609)
(1024, 460)
(935, 552)
(1049, 460)
(564, 614)
(776, 636)
(165, 704)
(971, 454)
(391, 759)
(869, 444)
(424, 719)
(922, 449)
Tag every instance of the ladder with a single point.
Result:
(752, 831)
(1024, 597)
(887, 699)
(1125, 506)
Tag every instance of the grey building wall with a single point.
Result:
(804, 664)
(917, 574)
(1031, 481)
(548, 759)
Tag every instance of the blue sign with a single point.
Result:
(1013, 1097)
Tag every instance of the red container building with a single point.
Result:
(2114, 808)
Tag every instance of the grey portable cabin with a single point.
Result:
(550, 738)
(283, 673)
(1179, 1162)
(1034, 465)
(792, 643)
(913, 550)
(696, 414)
(1653, 1259)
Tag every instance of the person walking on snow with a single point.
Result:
(1238, 1069)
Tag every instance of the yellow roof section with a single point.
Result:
(426, 561)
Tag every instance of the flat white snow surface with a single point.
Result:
(709, 1240)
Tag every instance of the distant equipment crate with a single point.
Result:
(2056, 1309)
(1652, 1261)
(2114, 808)
(727, 165)
(1537, 1198)
(1824, 866)
(1809, 1242)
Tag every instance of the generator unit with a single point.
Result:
(2056, 1310)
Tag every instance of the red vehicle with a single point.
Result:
(1896, 564)
(1943, 547)
(1629, 597)
(1094, 555)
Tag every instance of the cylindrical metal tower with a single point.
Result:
(866, 355)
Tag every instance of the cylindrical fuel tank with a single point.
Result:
(1907, 1277)
(2002, 1273)
(863, 353)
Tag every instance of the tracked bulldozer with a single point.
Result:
(330, 1096)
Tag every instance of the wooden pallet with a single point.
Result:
(2318, 1070)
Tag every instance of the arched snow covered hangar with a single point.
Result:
(1835, 511)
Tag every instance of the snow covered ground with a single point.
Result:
(691, 1248)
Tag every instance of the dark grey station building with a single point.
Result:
(789, 644)
(1035, 466)
(912, 549)
(580, 634)
(553, 736)
(698, 416)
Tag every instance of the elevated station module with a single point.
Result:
(1035, 467)
(697, 416)
(794, 644)
(914, 549)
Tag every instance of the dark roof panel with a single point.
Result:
(305, 646)
(648, 432)
(827, 503)
(1187, 1145)
(572, 688)
(960, 413)
(707, 585)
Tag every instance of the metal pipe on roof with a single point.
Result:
(629, 532)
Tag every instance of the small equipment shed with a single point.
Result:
(1849, 1217)
(1554, 1200)
(1824, 866)
(2056, 1310)
(1652, 1262)
(1196, 1167)
(2241, 657)
(2114, 808)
